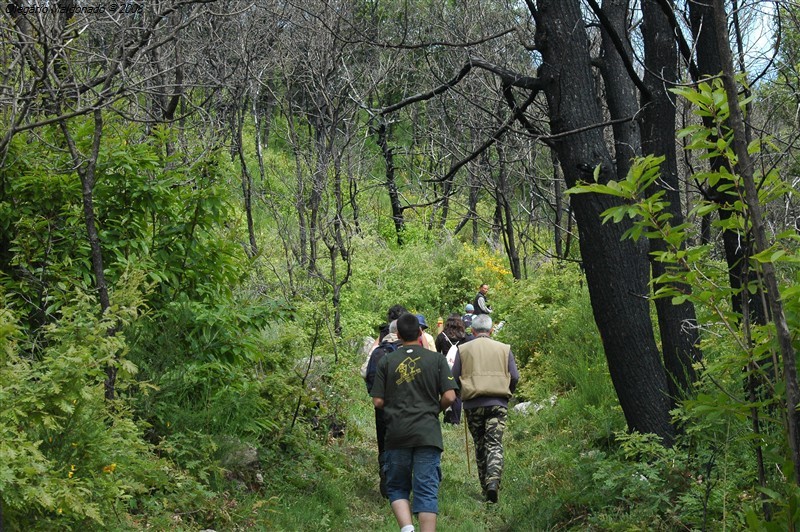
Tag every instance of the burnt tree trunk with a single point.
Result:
(506, 218)
(247, 182)
(617, 270)
(620, 90)
(677, 323)
(391, 185)
(86, 170)
(738, 245)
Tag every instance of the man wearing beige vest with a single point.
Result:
(487, 375)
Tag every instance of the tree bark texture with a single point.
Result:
(677, 323)
(617, 270)
(87, 172)
(745, 170)
(738, 246)
(620, 90)
(391, 185)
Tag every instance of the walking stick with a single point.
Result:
(466, 444)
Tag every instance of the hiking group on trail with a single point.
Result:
(411, 384)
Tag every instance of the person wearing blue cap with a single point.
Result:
(467, 318)
(425, 339)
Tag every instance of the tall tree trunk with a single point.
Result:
(677, 323)
(474, 193)
(339, 248)
(447, 188)
(86, 170)
(391, 185)
(738, 246)
(352, 198)
(506, 221)
(318, 184)
(745, 171)
(617, 269)
(472, 206)
(300, 205)
(247, 182)
(262, 120)
(620, 90)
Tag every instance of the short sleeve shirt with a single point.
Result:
(410, 381)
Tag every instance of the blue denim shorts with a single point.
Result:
(414, 470)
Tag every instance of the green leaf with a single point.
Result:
(677, 300)
(777, 255)
(769, 255)
(706, 208)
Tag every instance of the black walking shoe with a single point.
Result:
(491, 491)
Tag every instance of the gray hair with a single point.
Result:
(393, 327)
(481, 323)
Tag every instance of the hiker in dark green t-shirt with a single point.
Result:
(413, 385)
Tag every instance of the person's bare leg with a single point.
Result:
(402, 512)
(427, 521)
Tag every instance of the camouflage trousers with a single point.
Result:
(487, 426)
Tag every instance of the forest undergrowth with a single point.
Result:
(346, 496)
(570, 462)
(228, 426)
(199, 229)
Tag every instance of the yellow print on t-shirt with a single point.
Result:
(407, 369)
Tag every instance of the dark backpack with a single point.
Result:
(372, 366)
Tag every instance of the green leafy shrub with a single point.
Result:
(433, 280)
(551, 329)
(71, 458)
(214, 369)
(148, 219)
